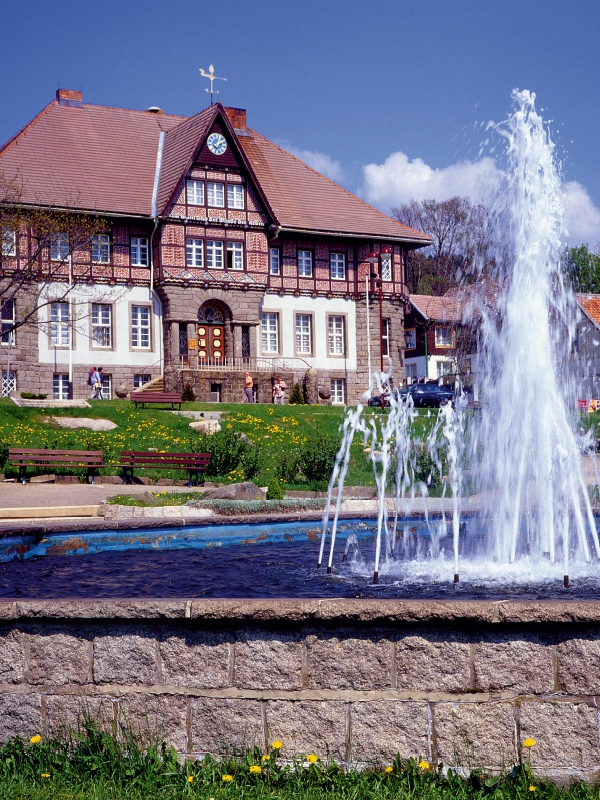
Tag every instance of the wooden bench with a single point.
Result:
(174, 398)
(24, 457)
(194, 463)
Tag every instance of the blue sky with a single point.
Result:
(400, 85)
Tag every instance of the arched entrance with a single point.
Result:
(211, 333)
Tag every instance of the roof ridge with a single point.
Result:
(421, 236)
(130, 110)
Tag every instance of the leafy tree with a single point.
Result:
(582, 268)
(460, 231)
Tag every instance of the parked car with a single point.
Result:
(428, 395)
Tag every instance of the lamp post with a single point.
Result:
(382, 259)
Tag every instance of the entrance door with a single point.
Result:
(211, 334)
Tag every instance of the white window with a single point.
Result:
(60, 328)
(235, 255)
(9, 242)
(305, 258)
(270, 332)
(101, 248)
(101, 325)
(337, 266)
(195, 193)
(303, 333)
(59, 247)
(235, 195)
(444, 368)
(60, 386)
(275, 261)
(7, 312)
(140, 380)
(410, 338)
(216, 194)
(338, 391)
(194, 252)
(385, 336)
(443, 336)
(139, 252)
(411, 372)
(106, 386)
(336, 336)
(214, 255)
(140, 326)
(386, 267)
(9, 383)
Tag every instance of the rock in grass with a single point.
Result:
(236, 491)
(206, 426)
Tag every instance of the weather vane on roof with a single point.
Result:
(212, 78)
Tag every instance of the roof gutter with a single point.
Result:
(155, 217)
(370, 236)
(159, 158)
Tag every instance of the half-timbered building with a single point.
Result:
(221, 253)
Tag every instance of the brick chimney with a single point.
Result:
(69, 97)
(237, 117)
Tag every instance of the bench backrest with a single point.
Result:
(133, 457)
(164, 397)
(93, 457)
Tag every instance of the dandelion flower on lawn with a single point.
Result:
(312, 758)
(389, 769)
(277, 745)
(255, 769)
(529, 742)
(45, 774)
(35, 739)
(190, 778)
(266, 758)
(424, 765)
(532, 788)
(226, 778)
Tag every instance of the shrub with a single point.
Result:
(227, 449)
(297, 396)
(317, 458)
(33, 396)
(274, 490)
(252, 459)
(188, 395)
(287, 468)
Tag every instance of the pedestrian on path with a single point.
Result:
(247, 396)
(97, 384)
(279, 388)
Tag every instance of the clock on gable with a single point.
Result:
(216, 144)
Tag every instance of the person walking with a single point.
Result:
(247, 396)
(90, 382)
(97, 384)
(279, 388)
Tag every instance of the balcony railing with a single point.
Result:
(240, 364)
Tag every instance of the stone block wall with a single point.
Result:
(358, 680)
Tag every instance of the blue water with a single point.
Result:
(269, 560)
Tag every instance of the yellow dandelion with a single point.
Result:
(226, 778)
(532, 788)
(190, 778)
(277, 745)
(45, 774)
(266, 758)
(389, 769)
(255, 769)
(529, 742)
(35, 739)
(312, 758)
(424, 765)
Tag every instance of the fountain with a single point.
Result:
(523, 449)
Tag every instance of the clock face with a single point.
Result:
(216, 144)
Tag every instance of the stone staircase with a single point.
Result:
(155, 385)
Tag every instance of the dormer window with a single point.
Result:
(195, 193)
(216, 194)
(235, 195)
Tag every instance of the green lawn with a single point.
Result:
(95, 765)
(275, 431)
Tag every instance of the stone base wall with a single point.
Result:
(459, 682)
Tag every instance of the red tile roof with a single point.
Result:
(590, 303)
(441, 309)
(92, 158)
(104, 159)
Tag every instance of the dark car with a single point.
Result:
(429, 395)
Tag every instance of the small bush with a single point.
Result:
(297, 396)
(287, 468)
(188, 395)
(227, 449)
(33, 396)
(317, 458)
(274, 490)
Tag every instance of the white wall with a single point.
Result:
(84, 353)
(320, 308)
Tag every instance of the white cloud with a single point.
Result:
(399, 180)
(321, 162)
